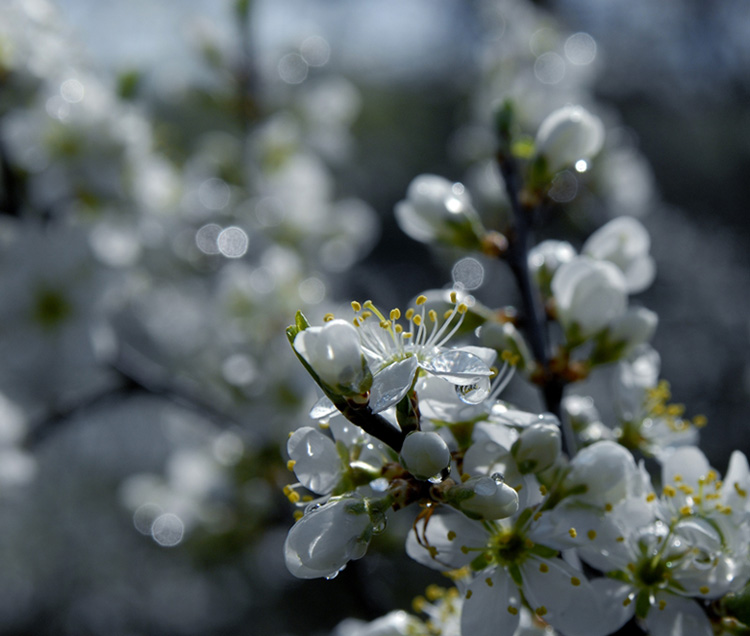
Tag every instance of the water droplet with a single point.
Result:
(441, 476)
(330, 577)
(498, 477)
(475, 393)
(311, 507)
(379, 485)
(379, 523)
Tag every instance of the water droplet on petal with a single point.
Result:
(474, 393)
(441, 476)
(498, 477)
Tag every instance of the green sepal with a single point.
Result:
(515, 574)
(738, 604)
(407, 414)
(543, 551)
(642, 603)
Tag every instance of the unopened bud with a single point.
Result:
(489, 498)
(537, 448)
(567, 135)
(425, 454)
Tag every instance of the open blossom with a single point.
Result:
(567, 135)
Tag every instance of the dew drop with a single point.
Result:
(498, 477)
(475, 393)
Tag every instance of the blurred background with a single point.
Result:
(178, 178)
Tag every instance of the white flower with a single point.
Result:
(545, 259)
(425, 454)
(589, 295)
(436, 208)
(603, 473)
(635, 327)
(334, 353)
(325, 539)
(567, 135)
(625, 242)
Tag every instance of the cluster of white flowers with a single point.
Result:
(583, 541)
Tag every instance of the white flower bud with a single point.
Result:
(635, 327)
(589, 295)
(323, 541)
(604, 472)
(425, 454)
(537, 448)
(491, 498)
(432, 204)
(546, 258)
(334, 353)
(567, 135)
(625, 242)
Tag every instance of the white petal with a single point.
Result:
(391, 384)
(688, 462)
(322, 408)
(485, 609)
(316, 462)
(456, 366)
(447, 531)
(680, 617)
(569, 602)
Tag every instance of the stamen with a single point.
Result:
(356, 306)
(328, 317)
(421, 300)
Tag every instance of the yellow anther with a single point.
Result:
(662, 604)
(454, 297)
(677, 478)
(433, 315)
(697, 500)
(328, 317)
(418, 604)
(451, 535)
(620, 539)
(575, 581)
(464, 549)
(465, 477)
(543, 490)
(685, 489)
(626, 602)
(488, 581)
(686, 510)
(366, 315)
(385, 324)
(356, 322)
(368, 304)
(669, 491)
(434, 592)
(591, 534)
(650, 497)
(468, 594)
(572, 532)
(421, 299)
(528, 543)
(608, 507)
(544, 568)
(298, 514)
(433, 551)
(395, 314)
(512, 610)
(287, 489)
(631, 567)
(675, 410)
(409, 313)
(447, 314)
(293, 497)
(741, 492)
(699, 421)
(418, 320)
(712, 475)
(540, 611)
(718, 484)
(307, 498)
(704, 589)
(356, 306)
(537, 515)
(290, 464)
(462, 308)
(407, 334)
(324, 425)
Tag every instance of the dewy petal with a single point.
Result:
(680, 617)
(447, 531)
(485, 608)
(563, 596)
(438, 401)
(316, 462)
(392, 383)
(456, 366)
(323, 408)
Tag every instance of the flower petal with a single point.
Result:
(456, 366)
(678, 617)
(491, 605)
(391, 384)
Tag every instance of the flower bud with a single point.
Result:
(488, 498)
(635, 327)
(603, 473)
(425, 454)
(437, 209)
(568, 134)
(323, 541)
(546, 258)
(537, 448)
(334, 353)
(589, 295)
(625, 242)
